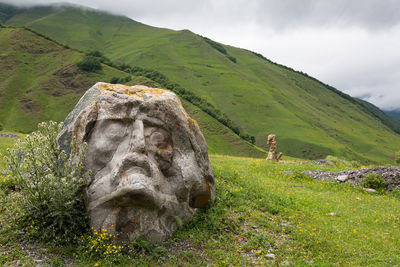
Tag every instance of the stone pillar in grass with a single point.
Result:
(272, 155)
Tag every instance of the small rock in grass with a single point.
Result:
(332, 213)
(254, 227)
(358, 198)
(369, 189)
(342, 178)
(285, 263)
(270, 256)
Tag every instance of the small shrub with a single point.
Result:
(374, 181)
(128, 79)
(99, 244)
(95, 54)
(50, 183)
(8, 183)
(90, 64)
(231, 58)
(216, 45)
(1, 127)
(114, 80)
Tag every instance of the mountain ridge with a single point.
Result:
(310, 118)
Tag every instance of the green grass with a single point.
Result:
(310, 119)
(6, 142)
(220, 139)
(40, 80)
(258, 210)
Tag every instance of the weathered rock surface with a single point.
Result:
(391, 176)
(148, 160)
(272, 155)
(9, 135)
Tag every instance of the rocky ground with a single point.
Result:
(9, 135)
(391, 176)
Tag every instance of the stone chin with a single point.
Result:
(148, 160)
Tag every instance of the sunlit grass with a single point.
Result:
(262, 209)
(6, 142)
(327, 222)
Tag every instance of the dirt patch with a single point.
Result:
(31, 43)
(29, 106)
(6, 63)
(66, 80)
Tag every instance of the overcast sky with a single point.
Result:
(353, 45)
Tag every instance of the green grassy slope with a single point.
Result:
(220, 139)
(385, 117)
(259, 210)
(310, 119)
(40, 81)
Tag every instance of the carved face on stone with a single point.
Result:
(148, 161)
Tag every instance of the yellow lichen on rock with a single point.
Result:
(137, 90)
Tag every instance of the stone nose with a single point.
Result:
(137, 142)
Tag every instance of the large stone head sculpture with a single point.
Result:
(148, 161)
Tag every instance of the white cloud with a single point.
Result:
(352, 45)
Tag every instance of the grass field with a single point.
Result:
(309, 119)
(259, 210)
(6, 142)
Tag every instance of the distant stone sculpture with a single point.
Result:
(272, 155)
(148, 160)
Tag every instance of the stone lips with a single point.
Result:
(148, 160)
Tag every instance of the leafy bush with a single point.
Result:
(397, 158)
(115, 80)
(248, 138)
(231, 58)
(7, 183)
(90, 64)
(216, 45)
(98, 244)
(374, 181)
(50, 183)
(95, 54)
(1, 127)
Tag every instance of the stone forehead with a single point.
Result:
(121, 101)
(138, 92)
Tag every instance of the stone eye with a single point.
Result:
(157, 139)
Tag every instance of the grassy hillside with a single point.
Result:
(310, 119)
(259, 211)
(390, 120)
(40, 82)
(220, 139)
(40, 79)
